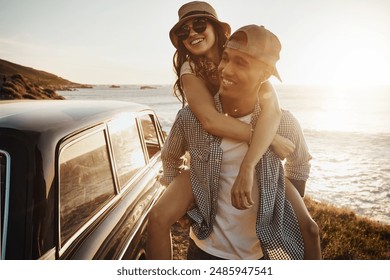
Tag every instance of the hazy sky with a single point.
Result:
(126, 41)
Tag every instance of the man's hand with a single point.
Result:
(241, 193)
(282, 146)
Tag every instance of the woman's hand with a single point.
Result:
(241, 193)
(282, 146)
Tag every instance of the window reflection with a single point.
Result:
(86, 182)
(127, 149)
(150, 134)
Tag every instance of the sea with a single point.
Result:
(347, 131)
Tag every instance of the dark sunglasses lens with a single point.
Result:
(199, 26)
(183, 32)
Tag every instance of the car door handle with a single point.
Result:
(159, 174)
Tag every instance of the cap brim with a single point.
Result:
(276, 74)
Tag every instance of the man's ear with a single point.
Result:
(266, 74)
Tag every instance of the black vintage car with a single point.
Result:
(77, 178)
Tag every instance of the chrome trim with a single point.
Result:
(137, 176)
(49, 255)
(85, 226)
(3, 239)
(142, 138)
(111, 156)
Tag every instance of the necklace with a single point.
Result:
(234, 112)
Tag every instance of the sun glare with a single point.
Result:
(361, 67)
(335, 115)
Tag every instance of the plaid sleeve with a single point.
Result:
(297, 164)
(173, 151)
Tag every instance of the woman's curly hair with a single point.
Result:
(204, 68)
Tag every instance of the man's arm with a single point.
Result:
(297, 164)
(173, 151)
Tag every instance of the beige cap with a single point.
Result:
(259, 43)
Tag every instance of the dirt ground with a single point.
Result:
(179, 241)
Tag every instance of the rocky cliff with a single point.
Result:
(18, 87)
(21, 82)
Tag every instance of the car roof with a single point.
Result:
(66, 115)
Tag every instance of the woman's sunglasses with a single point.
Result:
(199, 25)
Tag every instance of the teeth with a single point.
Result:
(196, 41)
(227, 82)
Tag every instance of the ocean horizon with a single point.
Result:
(347, 131)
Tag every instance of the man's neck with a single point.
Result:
(239, 107)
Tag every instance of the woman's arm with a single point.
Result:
(266, 126)
(202, 105)
(264, 133)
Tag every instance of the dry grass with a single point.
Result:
(180, 241)
(344, 236)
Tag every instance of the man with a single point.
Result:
(269, 229)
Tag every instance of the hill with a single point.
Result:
(21, 82)
(36, 77)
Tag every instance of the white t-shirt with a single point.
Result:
(234, 231)
(186, 68)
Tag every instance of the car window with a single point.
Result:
(127, 149)
(86, 182)
(4, 192)
(149, 127)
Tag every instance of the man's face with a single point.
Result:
(239, 73)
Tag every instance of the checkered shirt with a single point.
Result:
(276, 226)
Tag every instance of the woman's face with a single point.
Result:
(202, 43)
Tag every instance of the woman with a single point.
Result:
(199, 38)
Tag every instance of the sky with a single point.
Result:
(324, 42)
